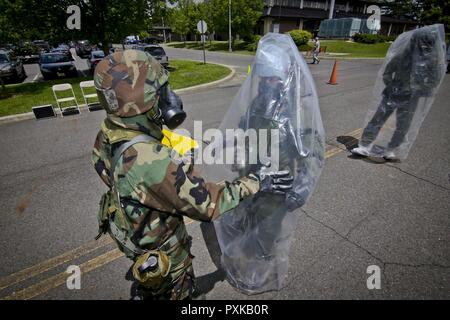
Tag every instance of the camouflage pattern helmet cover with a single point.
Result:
(127, 82)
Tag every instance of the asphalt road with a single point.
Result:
(393, 215)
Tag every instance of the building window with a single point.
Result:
(314, 4)
(340, 7)
(276, 28)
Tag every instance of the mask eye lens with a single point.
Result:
(272, 82)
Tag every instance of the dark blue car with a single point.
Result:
(55, 64)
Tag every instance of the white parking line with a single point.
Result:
(36, 76)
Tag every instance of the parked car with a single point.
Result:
(153, 40)
(83, 48)
(43, 45)
(56, 64)
(8, 47)
(131, 40)
(95, 58)
(156, 51)
(114, 49)
(28, 52)
(62, 48)
(11, 67)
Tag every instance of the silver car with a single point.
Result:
(156, 51)
(11, 67)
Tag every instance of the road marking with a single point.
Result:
(355, 133)
(36, 76)
(331, 152)
(52, 263)
(59, 279)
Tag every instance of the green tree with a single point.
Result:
(180, 18)
(424, 11)
(244, 16)
(26, 20)
(186, 14)
(104, 21)
(405, 8)
(110, 21)
(8, 33)
(436, 11)
(205, 12)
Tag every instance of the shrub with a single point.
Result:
(389, 38)
(368, 38)
(305, 48)
(252, 46)
(300, 37)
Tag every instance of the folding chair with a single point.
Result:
(69, 100)
(94, 105)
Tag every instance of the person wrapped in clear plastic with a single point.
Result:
(278, 103)
(406, 85)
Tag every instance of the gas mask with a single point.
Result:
(271, 86)
(269, 97)
(424, 42)
(170, 108)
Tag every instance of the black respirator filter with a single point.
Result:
(171, 108)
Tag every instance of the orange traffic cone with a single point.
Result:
(333, 78)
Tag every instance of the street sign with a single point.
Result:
(202, 26)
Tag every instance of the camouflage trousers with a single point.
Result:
(181, 289)
(180, 282)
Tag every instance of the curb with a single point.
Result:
(350, 58)
(209, 51)
(340, 57)
(209, 84)
(301, 52)
(17, 117)
(30, 115)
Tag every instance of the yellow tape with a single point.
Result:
(178, 142)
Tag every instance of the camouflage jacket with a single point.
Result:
(157, 192)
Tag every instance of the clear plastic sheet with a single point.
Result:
(279, 94)
(404, 92)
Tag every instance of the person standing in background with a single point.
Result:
(316, 50)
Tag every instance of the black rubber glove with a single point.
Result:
(277, 182)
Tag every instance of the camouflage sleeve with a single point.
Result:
(206, 201)
(157, 181)
(98, 157)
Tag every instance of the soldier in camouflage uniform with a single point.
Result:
(150, 193)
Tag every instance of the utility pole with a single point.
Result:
(330, 15)
(229, 26)
(164, 29)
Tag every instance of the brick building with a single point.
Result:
(285, 15)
